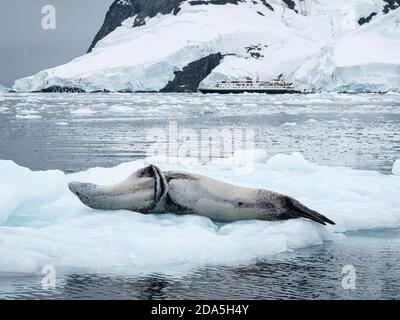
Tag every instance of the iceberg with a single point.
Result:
(43, 223)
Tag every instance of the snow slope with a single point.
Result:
(42, 223)
(325, 50)
(351, 64)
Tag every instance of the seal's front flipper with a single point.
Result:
(303, 211)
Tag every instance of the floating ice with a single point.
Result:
(83, 111)
(120, 109)
(41, 222)
(290, 124)
(396, 168)
(28, 111)
(28, 116)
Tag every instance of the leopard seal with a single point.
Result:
(150, 190)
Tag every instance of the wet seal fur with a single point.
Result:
(149, 190)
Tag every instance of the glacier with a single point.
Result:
(42, 223)
(363, 61)
(334, 46)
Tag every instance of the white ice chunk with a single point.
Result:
(396, 168)
(42, 222)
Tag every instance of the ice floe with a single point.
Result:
(42, 223)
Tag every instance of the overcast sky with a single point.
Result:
(25, 48)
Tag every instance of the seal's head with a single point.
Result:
(85, 192)
(144, 191)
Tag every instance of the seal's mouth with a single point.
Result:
(75, 188)
(86, 192)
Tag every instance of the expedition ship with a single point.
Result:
(275, 86)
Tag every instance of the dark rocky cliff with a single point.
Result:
(121, 10)
(391, 5)
(189, 78)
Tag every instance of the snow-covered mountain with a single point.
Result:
(364, 60)
(173, 45)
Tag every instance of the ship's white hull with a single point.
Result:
(248, 90)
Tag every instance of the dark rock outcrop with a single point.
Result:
(101, 91)
(364, 20)
(291, 4)
(390, 5)
(215, 2)
(265, 3)
(65, 89)
(189, 78)
(255, 51)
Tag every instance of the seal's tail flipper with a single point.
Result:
(305, 212)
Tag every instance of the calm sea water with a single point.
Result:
(78, 131)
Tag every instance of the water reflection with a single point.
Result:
(338, 130)
(311, 273)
